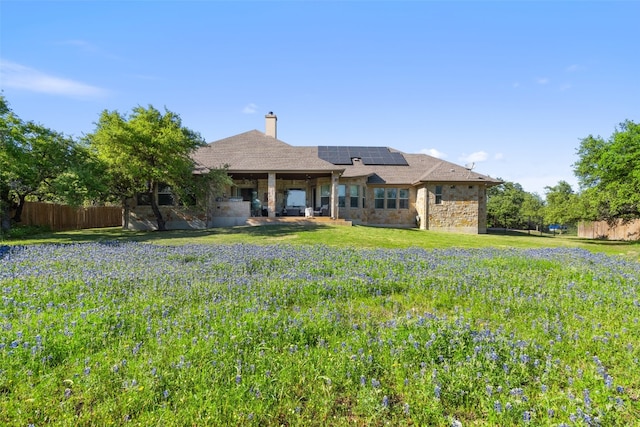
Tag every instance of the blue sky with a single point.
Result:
(511, 86)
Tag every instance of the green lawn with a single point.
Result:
(339, 236)
(136, 334)
(323, 325)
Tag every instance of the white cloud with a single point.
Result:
(433, 153)
(498, 156)
(478, 156)
(565, 87)
(516, 85)
(572, 68)
(250, 108)
(21, 77)
(542, 80)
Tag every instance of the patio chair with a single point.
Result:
(323, 211)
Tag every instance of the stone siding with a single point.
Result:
(176, 218)
(422, 205)
(463, 207)
(229, 213)
(404, 218)
(482, 209)
(459, 210)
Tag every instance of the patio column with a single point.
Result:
(271, 195)
(333, 201)
(422, 206)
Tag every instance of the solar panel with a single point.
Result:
(368, 155)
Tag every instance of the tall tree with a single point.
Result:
(83, 182)
(503, 205)
(45, 156)
(10, 154)
(531, 210)
(143, 150)
(609, 173)
(562, 205)
(32, 157)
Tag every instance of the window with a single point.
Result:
(403, 198)
(342, 195)
(378, 196)
(438, 194)
(364, 192)
(391, 198)
(325, 195)
(165, 196)
(353, 195)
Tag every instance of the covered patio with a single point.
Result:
(277, 194)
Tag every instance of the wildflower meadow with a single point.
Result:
(144, 334)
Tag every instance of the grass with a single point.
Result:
(338, 236)
(243, 334)
(276, 325)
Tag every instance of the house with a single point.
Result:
(362, 185)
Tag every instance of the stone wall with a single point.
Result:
(403, 218)
(459, 210)
(176, 218)
(463, 207)
(355, 215)
(482, 209)
(229, 213)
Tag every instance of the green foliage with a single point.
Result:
(83, 182)
(609, 173)
(47, 155)
(195, 192)
(503, 204)
(19, 232)
(143, 150)
(10, 156)
(562, 205)
(532, 209)
(34, 161)
(509, 206)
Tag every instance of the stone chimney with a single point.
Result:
(271, 125)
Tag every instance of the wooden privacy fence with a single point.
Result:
(604, 230)
(62, 217)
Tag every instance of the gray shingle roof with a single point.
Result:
(421, 168)
(254, 151)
